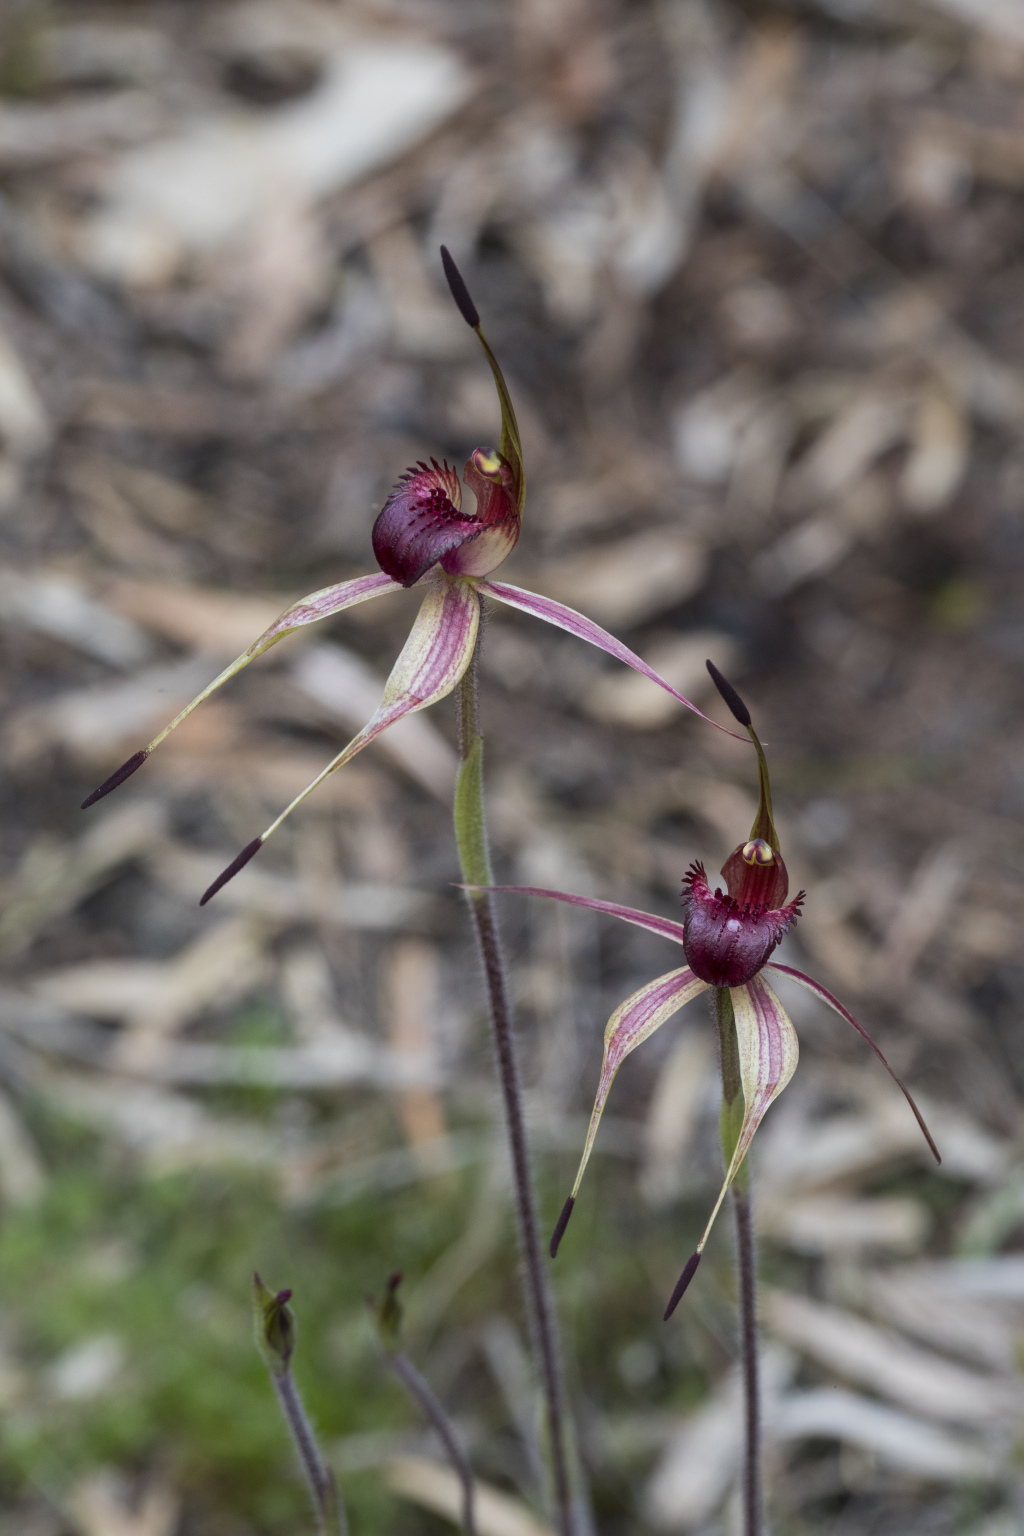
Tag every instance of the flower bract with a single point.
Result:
(727, 939)
(425, 538)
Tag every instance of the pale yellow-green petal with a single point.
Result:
(629, 1026)
(768, 1052)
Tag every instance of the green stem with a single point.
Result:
(746, 1256)
(471, 837)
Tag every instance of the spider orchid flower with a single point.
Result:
(423, 538)
(727, 938)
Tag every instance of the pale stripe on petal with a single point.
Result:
(629, 1026)
(664, 926)
(585, 629)
(768, 1052)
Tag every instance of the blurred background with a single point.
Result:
(756, 275)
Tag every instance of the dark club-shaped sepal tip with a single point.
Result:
(116, 779)
(561, 1224)
(248, 852)
(729, 694)
(460, 293)
(681, 1284)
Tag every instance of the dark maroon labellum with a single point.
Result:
(729, 936)
(422, 522)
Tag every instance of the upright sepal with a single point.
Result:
(511, 444)
(629, 1026)
(764, 825)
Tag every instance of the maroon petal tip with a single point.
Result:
(248, 852)
(561, 1224)
(681, 1284)
(460, 293)
(729, 694)
(116, 779)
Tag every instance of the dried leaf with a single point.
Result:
(620, 584)
(100, 1505)
(409, 1003)
(903, 1443)
(702, 1460)
(625, 698)
(437, 1488)
(913, 1377)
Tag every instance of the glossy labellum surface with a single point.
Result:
(422, 523)
(729, 935)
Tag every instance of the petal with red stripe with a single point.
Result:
(629, 1026)
(844, 1013)
(585, 629)
(664, 926)
(768, 1051)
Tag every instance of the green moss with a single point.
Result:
(164, 1267)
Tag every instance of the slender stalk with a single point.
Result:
(275, 1340)
(431, 1405)
(471, 836)
(746, 1257)
(330, 1512)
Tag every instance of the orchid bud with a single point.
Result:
(275, 1327)
(388, 1314)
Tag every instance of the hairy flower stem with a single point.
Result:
(746, 1257)
(330, 1512)
(471, 836)
(424, 1395)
